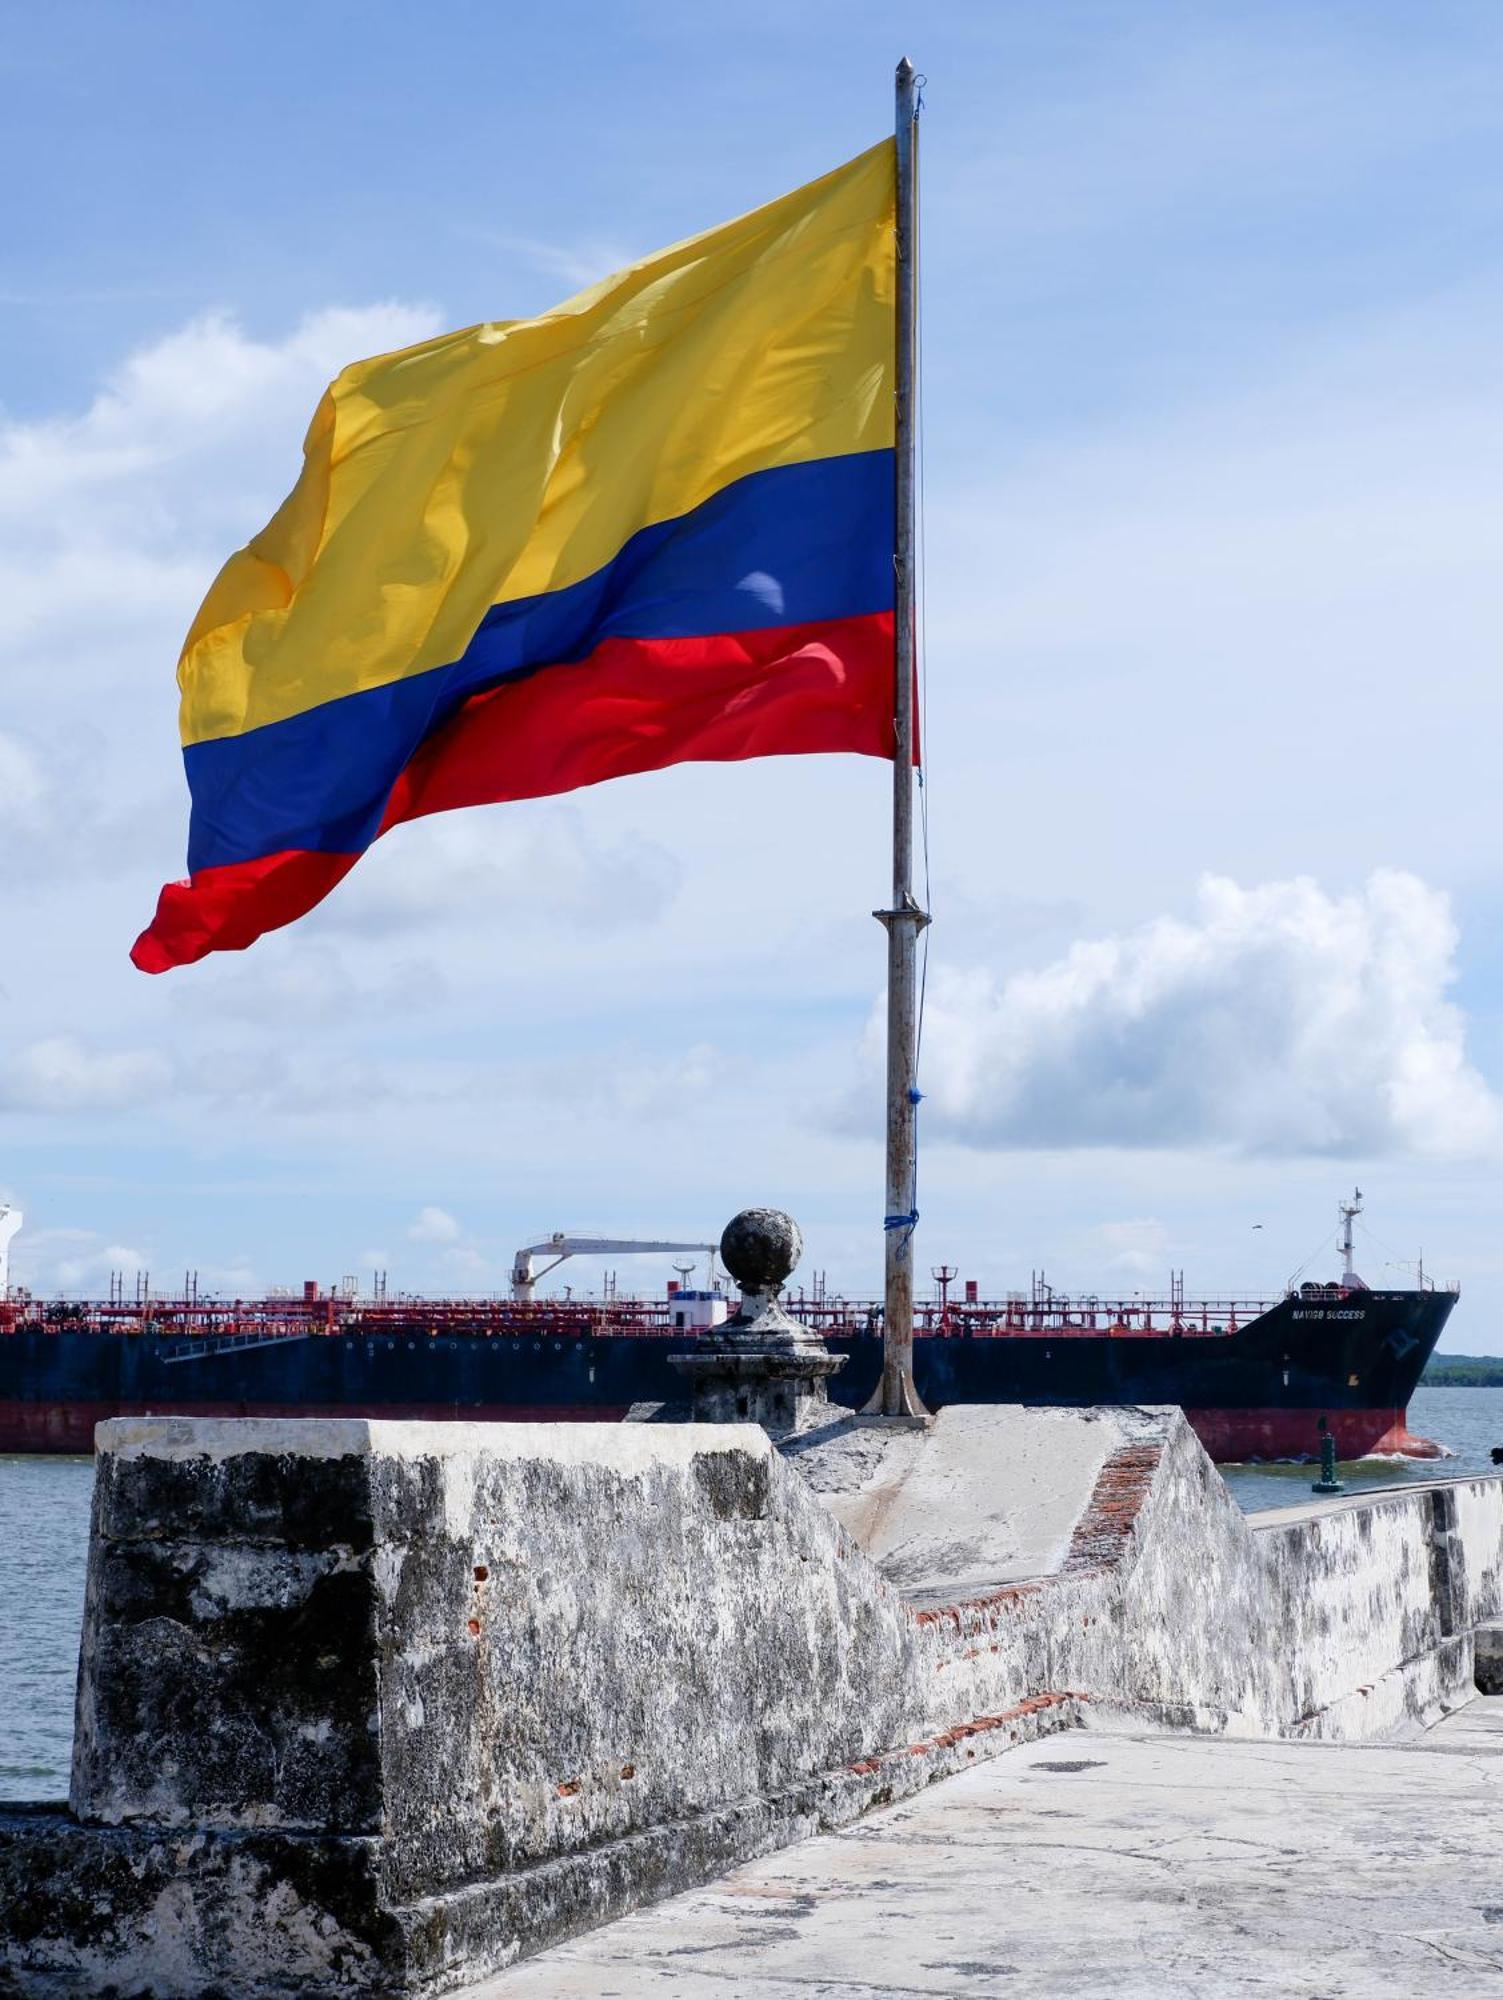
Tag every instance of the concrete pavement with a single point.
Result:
(1147, 1867)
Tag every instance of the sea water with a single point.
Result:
(44, 1534)
(44, 1538)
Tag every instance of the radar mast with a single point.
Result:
(1350, 1210)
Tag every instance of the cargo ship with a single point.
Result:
(1258, 1379)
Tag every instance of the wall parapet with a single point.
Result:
(372, 1708)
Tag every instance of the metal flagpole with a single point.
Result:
(896, 1395)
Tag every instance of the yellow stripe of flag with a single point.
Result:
(518, 457)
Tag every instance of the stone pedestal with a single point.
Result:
(760, 1366)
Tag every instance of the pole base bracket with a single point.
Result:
(896, 1399)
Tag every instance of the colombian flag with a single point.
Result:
(653, 525)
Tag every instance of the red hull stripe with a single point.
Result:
(1233, 1436)
(1228, 1435)
(633, 705)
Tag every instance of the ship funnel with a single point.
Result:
(10, 1221)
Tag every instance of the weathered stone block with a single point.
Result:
(500, 1678)
(139, 1913)
(1488, 1657)
(225, 1685)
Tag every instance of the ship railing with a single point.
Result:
(201, 1326)
(1058, 1318)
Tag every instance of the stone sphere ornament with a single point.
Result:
(760, 1247)
(760, 1366)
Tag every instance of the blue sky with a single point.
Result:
(1212, 319)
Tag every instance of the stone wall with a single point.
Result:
(376, 1708)
(1170, 1608)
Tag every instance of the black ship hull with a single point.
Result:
(1348, 1360)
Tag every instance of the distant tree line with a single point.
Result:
(1463, 1371)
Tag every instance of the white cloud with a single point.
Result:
(61, 1075)
(576, 264)
(1279, 1020)
(237, 1278)
(434, 1225)
(112, 524)
(115, 521)
(179, 399)
(74, 1260)
(466, 1265)
(23, 789)
(121, 1257)
(644, 1089)
(61, 816)
(290, 1081)
(81, 1261)
(455, 1261)
(1140, 1245)
(487, 864)
(307, 982)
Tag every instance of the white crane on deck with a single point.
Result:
(10, 1221)
(561, 1245)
